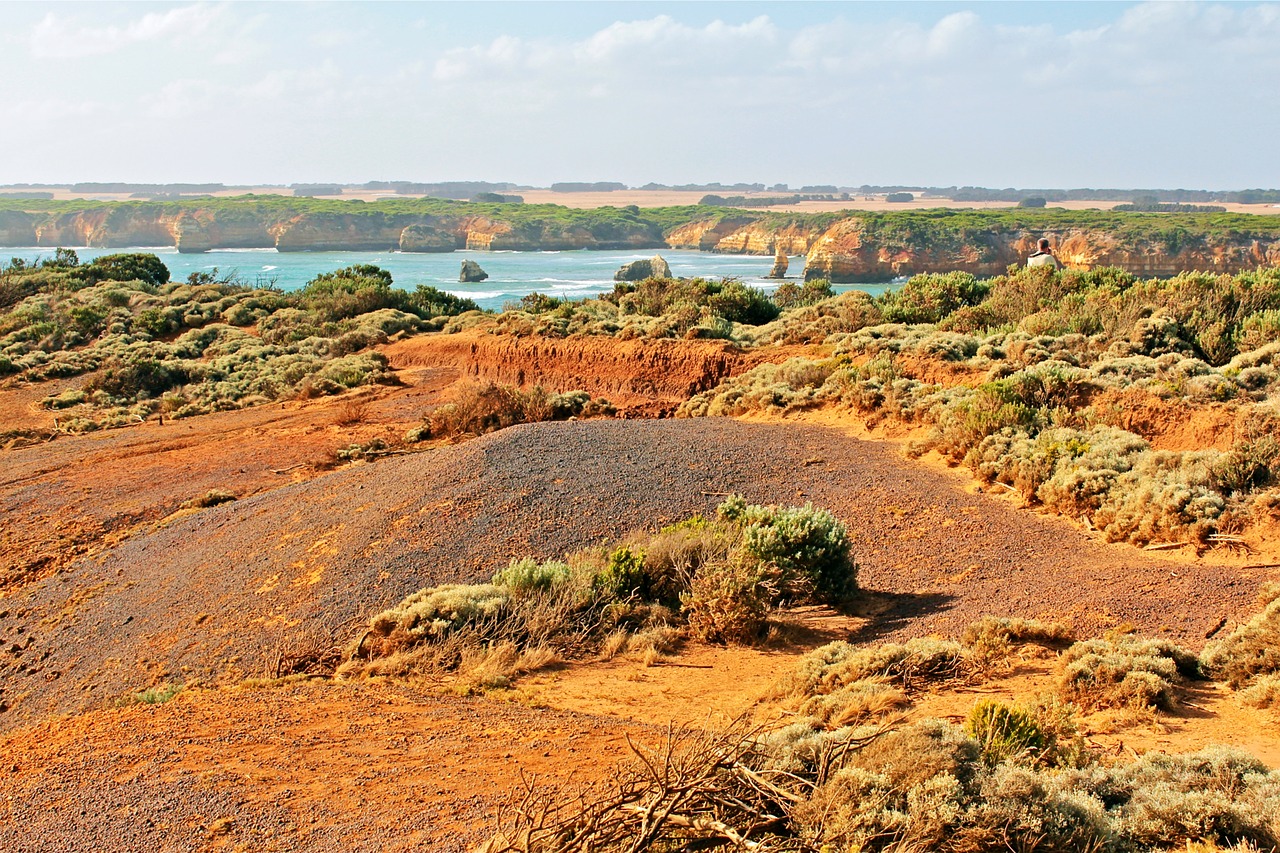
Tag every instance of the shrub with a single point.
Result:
(847, 312)
(808, 547)
(528, 575)
(791, 295)
(129, 266)
(1005, 733)
(724, 592)
(157, 695)
(923, 786)
(676, 553)
(145, 378)
(855, 703)
(1263, 692)
(993, 637)
(539, 303)
(1127, 671)
(911, 664)
(478, 409)
(624, 575)
(928, 297)
(1219, 794)
(1250, 465)
(738, 303)
(437, 610)
(350, 292)
(428, 301)
(1250, 650)
(727, 602)
(481, 408)
(213, 497)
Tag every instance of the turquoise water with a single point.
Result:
(573, 274)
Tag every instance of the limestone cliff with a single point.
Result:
(705, 234)
(428, 238)
(849, 251)
(262, 225)
(743, 236)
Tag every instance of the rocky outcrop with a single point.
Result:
(655, 267)
(17, 228)
(471, 272)
(780, 264)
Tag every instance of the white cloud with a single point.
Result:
(59, 37)
(649, 45)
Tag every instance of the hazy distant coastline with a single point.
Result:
(849, 245)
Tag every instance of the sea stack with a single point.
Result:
(471, 272)
(779, 265)
(655, 267)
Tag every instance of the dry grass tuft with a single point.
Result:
(354, 410)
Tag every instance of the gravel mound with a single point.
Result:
(217, 596)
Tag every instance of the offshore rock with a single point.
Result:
(780, 263)
(655, 267)
(471, 272)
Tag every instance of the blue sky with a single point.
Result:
(1039, 94)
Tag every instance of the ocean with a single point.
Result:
(512, 275)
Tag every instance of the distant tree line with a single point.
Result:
(1136, 196)
(582, 187)
(763, 201)
(460, 190)
(313, 190)
(150, 189)
(498, 198)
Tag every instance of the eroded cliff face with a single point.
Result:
(740, 236)
(705, 234)
(847, 252)
(655, 372)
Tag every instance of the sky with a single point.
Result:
(1029, 95)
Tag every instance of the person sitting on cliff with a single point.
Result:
(1042, 257)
